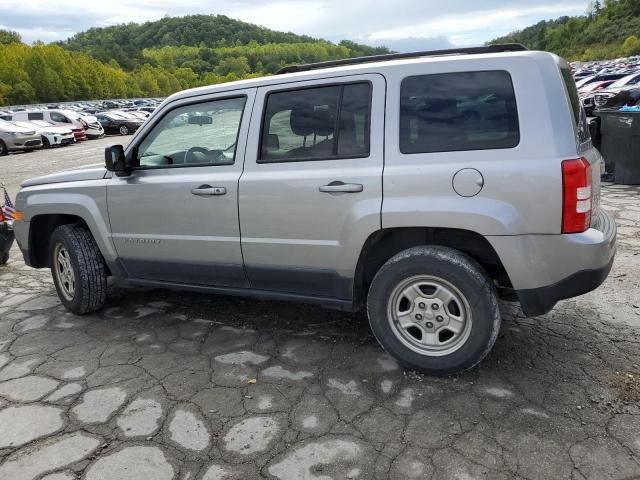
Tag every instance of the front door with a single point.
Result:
(311, 192)
(175, 218)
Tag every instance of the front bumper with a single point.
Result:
(544, 269)
(80, 136)
(26, 142)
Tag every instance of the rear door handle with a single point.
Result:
(208, 191)
(341, 187)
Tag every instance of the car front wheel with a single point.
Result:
(78, 269)
(124, 130)
(434, 309)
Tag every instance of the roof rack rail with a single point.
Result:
(506, 47)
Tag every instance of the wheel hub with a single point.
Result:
(429, 315)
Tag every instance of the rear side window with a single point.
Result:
(35, 116)
(579, 116)
(319, 123)
(450, 112)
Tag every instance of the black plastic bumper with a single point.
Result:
(538, 301)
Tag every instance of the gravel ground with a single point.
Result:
(164, 385)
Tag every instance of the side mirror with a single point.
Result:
(115, 161)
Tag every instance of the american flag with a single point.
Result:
(9, 210)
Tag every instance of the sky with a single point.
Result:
(402, 25)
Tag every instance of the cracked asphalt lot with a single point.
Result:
(162, 385)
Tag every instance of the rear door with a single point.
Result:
(311, 192)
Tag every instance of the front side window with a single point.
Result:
(195, 135)
(317, 123)
(59, 118)
(463, 111)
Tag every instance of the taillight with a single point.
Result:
(576, 195)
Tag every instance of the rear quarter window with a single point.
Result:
(579, 116)
(460, 111)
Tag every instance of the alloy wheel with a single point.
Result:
(429, 315)
(64, 272)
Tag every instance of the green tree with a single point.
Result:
(9, 36)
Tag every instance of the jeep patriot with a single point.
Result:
(424, 187)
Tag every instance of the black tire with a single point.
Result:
(45, 142)
(124, 130)
(456, 269)
(3, 149)
(4, 258)
(88, 266)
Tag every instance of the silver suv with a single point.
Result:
(424, 187)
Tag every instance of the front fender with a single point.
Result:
(85, 199)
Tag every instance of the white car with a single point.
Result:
(90, 123)
(51, 134)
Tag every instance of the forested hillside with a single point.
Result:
(125, 43)
(608, 30)
(153, 59)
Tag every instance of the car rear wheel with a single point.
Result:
(124, 130)
(3, 149)
(78, 269)
(434, 309)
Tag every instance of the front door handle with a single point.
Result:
(208, 191)
(341, 187)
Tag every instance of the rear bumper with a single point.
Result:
(544, 269)
(538, 301)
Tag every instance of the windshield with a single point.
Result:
(625, 81)
(584, 81)
(115, 116)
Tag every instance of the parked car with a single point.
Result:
(50, 134)
(141, 115)
(486, 196)
(598, 78)
(62, 118)
(629, 97)
(588, 92)
(595, 86)
(116, 123)
(625, 83)
(90, 123)
(14, 138)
